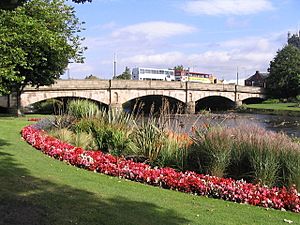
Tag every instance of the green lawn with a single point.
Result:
(276, 106)
(36, 189)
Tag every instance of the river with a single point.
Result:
(287, 124)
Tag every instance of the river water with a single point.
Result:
(287, 124)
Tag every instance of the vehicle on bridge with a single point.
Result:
(186, 75)
(141, 73)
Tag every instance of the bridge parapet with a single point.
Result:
(250, 89)
(72, 85)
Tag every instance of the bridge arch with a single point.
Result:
(57, 106)
(29, 98)
(147, 103)
(214, 102)
(253, 100)
(124, 96)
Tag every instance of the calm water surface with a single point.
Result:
(287, 124)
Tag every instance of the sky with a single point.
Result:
(220, 37)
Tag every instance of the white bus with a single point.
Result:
(141, 73)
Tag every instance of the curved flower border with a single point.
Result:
(189, 182)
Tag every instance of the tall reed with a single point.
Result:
(211, 150)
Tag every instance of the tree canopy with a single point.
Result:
(284, 78)
(12, 4)
(294, 40)
(37, 41)
(126, 75)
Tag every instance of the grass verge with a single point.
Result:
(275, 108)
(36, 189)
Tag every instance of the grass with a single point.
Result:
(275, 106)
(36, 189)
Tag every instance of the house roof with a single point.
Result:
(258, 75)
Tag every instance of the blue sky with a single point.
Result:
(211, 36)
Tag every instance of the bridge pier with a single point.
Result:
(190, 107)
(238, 103)
(116, 107)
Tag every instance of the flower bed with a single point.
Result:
(189, 182)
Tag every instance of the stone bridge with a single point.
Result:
(114, 93)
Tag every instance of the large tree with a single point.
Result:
(12, 4)
(37, 41)
(294, 40)
(284, 78)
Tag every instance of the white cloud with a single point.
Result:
(233, 22)
(227, 7)
(153, 30)
(249, 54)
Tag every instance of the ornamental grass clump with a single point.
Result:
(211, 151)
(82, 109)
(247, 152)
(149, 139)
(79, 139)
(269, 155)
(174, 150)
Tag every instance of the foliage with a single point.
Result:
(247, 152)
(12, 4)
(44, 185)
(284, 78)
(212, 150)
(189, 182)
(294, 40)
(149, 139)
(179, 67)
(82, 109)
(49, 106)
(126, 75)
(37, 41)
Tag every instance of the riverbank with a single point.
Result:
(283, 109)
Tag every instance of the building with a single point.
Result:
(257, 80)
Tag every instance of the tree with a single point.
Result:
(179, 67)
(37, 41)
(294, 40)
(12, 4)
(126, 75)
(284, 78)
